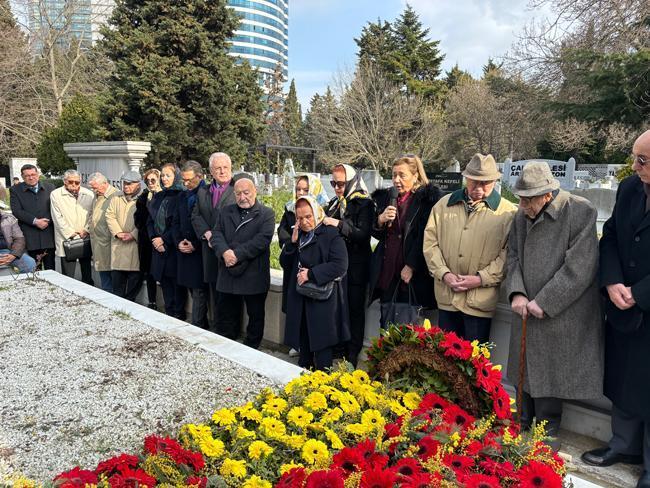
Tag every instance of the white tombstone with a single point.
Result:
(15, 164)
(111, 159)
(563, 171)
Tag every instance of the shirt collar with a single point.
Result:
(492, 201)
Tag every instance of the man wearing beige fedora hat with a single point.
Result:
(551, 282)
(465, 250)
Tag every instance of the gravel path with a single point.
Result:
(79, 382)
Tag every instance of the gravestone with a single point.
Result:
(446, 181)
(563, 171)
(111, 159)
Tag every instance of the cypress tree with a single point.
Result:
(293, 115)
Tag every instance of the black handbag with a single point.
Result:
(400, 312)
(316, 292)
(77, 248)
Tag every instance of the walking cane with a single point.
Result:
(522, 367)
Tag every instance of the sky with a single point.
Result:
(322, 32)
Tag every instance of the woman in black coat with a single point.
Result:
(352, 213)
(305, 185)
(316, 254)
(402, 214)
(152, 180)
(162, 208)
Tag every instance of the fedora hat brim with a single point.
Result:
(488, 177)
(535, 192)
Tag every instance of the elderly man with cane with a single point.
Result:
(551, 265)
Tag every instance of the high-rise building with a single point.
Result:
(263, 35)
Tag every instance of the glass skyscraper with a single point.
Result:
(263, 35)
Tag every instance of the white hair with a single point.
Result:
(97, 177)
(219, 155)
(69, 173)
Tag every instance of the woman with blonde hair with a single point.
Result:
(398, 271)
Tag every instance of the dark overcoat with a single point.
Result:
(625, 258)
(554, 261)
(27, 206)
(417, 216)
(250, 239)
(204, 218)
(327, 320)
(285, 229)
(141, 217)
(163, 264)
(190, 266)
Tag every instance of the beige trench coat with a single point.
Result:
(69, 214)
(119, 218)
(100, 237)
(468, 244)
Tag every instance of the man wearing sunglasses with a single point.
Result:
(625, 277)
(71, 207)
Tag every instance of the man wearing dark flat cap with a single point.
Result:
(625, 279)
(551, 281)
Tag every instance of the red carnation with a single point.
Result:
(198, 481)
(408, 467)
(501, 403)
(376, 477)
(432, 400)
(76, 477)
(422, 480)
(487, 377)
(132, 478)
(292, 478)
(538, 475)
(428, 447)
(456, 347)
(453, 414)
(325, 479)
(349, 459)
(481, 481)
(117, 464)
(460, 464)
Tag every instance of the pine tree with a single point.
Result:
(174, 84)
(376, 43)
(292, 115)
(455, 76)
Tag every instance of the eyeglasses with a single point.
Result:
(640, 160)
(73, 183)
(151, 180)
(337, 184)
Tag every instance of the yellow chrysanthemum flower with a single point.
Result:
(397, 408)
(347, 381)
(256, 482)
(224, 417)
(315, 452)
(273, 428)
(243, 433)
(274, 406)
(233, 467)
(373, 419)
(251, 414)
(334, 440)
(294, 441)
(211, 447)
(361, 376)
(300, 417)
(331, 416)
(315, 401)
(348, 403)
(411, 400)
(259, 449)
(358, 429)
(285, 468)
(198, 431)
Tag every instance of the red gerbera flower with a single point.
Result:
(501, 470)
(474, 448)
(456, 347)
(428, 447)
(377, 477)
(481, 481)
(190, 458)
(117, 464)
(460, 464)
(453, 414)
(325, 479)
(486, 377)
(432, 400)
(501, 403)
(538, 475)
(391, 430)
(154, 444)
(132, 478)
(366, 448)
(349, 459)
(292, 478)
(422, 480)
(76, 477)
(198, 481)
(408, 467)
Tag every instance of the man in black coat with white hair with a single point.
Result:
(625, 275)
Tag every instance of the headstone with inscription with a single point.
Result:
(563, 171)
(446, 181)
(111, 159)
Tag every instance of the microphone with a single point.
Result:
(393, 200)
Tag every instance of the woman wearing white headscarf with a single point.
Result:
(352, 212)
(316, 253)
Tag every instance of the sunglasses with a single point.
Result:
(640, 160)
(151, 180)
(74, 183)
(337, 184)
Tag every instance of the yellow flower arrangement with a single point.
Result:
(315, 452)
(300, 417)
(235, 468)
(259, 449)
(273, 428)
(256, 482)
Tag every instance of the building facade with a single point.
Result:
(263, 35)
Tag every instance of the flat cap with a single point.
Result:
(131, 177)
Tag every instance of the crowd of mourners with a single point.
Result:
(585, 301)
